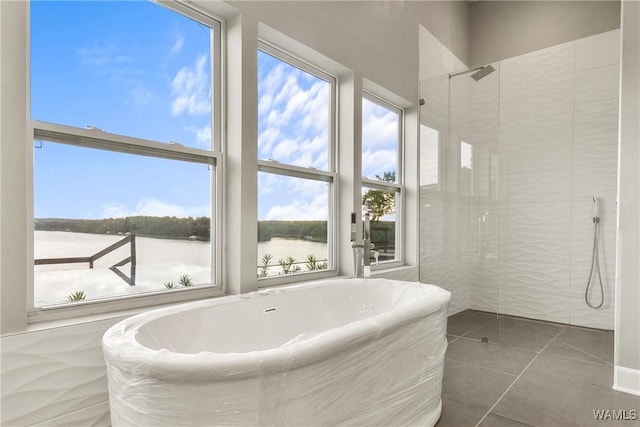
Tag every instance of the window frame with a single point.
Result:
(329, 176)
(98, 139)
(397, 187)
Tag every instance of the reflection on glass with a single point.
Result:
(383, 222)
(466, 169)
(466, 155)
(110, 224)
(129, 68)
(429, 151)
(292, 225)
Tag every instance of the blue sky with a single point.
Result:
(132, 68)
(138, 69)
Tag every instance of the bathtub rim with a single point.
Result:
(136, 359)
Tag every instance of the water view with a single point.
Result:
(158, 262)
(281, 249)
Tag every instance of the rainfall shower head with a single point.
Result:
(483, 72)
(478, 72)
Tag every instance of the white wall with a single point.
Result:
(627, 339)
(504, 29)
(13, 148)
(55, 377)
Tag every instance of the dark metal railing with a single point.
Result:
(131, 239)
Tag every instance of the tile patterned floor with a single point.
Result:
(530, 374)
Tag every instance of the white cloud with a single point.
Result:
(203, 136)
(315, 209)
(272, 81)
(379, 131)
(284, 149)
(108, 59)
(266, 139)
(152, 207)
(378, 162)
(191, 89)
(379, 139)
(267, 183)
(294, 117)
(177, 45)
(307, 188)
(265, 104)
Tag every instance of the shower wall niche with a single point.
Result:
(509, 165)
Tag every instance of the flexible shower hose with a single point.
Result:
(595, 265)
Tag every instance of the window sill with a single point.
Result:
(403, 272)
(291, 279)
(96, 312)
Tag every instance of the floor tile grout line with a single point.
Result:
(475, 329)
(482, 367)
(585, 352)
(513, 419)
(517, 378)
(520, 319)
(498, 344)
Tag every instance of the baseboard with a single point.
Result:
(626, 380)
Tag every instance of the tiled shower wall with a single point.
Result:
(558, 148)
(511, 230)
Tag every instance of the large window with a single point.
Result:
(296, 166)
(382, 125)
(125, 116)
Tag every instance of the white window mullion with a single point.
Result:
(295, 171)
(95, 138)
(381, 185)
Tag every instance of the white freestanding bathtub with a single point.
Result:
(335, 352)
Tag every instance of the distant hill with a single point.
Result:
(315, 231)
(166, 227)
(171, 227)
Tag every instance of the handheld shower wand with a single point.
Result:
(595, 264)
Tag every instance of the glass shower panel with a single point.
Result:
(458, 188)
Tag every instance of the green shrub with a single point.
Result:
(263, 268)
(77, 296)
(185, 281)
